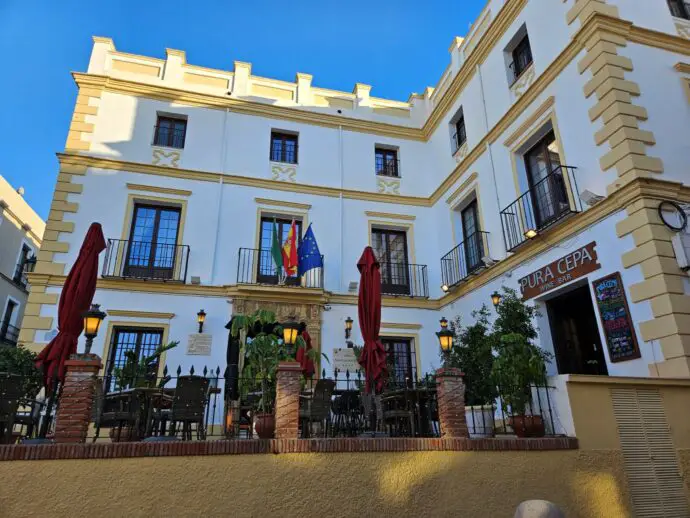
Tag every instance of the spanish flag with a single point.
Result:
(290, 251)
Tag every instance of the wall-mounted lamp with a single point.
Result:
(531, 233)
(445, 288)
(200, 318)
(496, 298)
(348, 328)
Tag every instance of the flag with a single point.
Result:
(290, 251)
(308, 253)
(275, 249)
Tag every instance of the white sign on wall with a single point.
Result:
(199, 344)
(344, 359)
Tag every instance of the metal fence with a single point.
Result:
(340, 407)
(405, 279)
(387, 166)
(255, 266)
(547, 202)
(168, 136)
(465, 259)
(146, 260)
(9, 334)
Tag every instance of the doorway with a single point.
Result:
(545, 177)
(576, 339)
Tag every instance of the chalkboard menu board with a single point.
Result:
(615, 318)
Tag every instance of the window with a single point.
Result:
(268, 273)
(472, 237)
(283, 147)
(142, 342)
(522, 57)
(390, 247)
(458, 130)
(170, 132)
(152, 249)
(20, 273)
(545, 177)
(401, 361)
(680, 8)
(386, 162)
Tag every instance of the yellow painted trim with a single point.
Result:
(396, 325)
(157, 189)
(530, 121)
(461, 188)
(388, 215)
(139, 314)
(112, 324)
(281, 203)
(132, 67)
(683, 68)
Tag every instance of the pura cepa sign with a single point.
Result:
(569, 267)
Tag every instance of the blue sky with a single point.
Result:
(398, 46)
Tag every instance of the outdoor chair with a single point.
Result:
(398, 413)
(316, 407)
(188, 407)
(115, 411)
(10, 394)
(28, 415)
(348, 414)
(372, 403)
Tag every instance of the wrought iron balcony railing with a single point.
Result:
(548, 201)
(404, 279)
(169, 137)
(465, 259)
(146, 260)
(20, 277)
(9, 334)
(386, 166)
(256, 266)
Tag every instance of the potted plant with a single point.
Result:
(22, 362)
(261, 354)
(472, 354)
(519, 364)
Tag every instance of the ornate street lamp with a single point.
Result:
(348, 328)
(290, 330)
(445, 340)
(496, 298)
(92, 323)
(30, 264)
(201, 318)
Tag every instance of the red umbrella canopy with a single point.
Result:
(373, 357)
(305, 362)
(77, 294)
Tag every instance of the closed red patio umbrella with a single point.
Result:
(373, 357)
(75, 299)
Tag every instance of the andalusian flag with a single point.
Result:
(290, 251)
(276, 251)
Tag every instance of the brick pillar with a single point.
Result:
(76, 401)
(287, 400)
(451, 403)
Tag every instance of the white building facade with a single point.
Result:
(554, 136)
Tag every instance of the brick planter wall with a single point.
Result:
(74, 413)
(450, 391)
(287, 400)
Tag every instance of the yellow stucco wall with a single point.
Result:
(584, 483)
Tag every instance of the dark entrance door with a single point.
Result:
(472, 238)
(153, 242)
(390, 247)
(575, 334)
(545, 177)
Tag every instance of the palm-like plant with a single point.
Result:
(140, 372)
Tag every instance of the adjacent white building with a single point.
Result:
(21, 230)
(553, 136)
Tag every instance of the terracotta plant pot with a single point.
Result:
(527, 425)
(265, 425)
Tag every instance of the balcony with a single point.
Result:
(547, 202)
(404, 279)
(465, 259)
(256, 266)
(146, 260)
(20, 277)
(8, 335)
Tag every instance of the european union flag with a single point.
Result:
(308, 253)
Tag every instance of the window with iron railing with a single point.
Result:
(170, 132)
(679, 8)
(522, 58)
(283, 147)
(21, 270)
(386, 162)
(460, 135)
